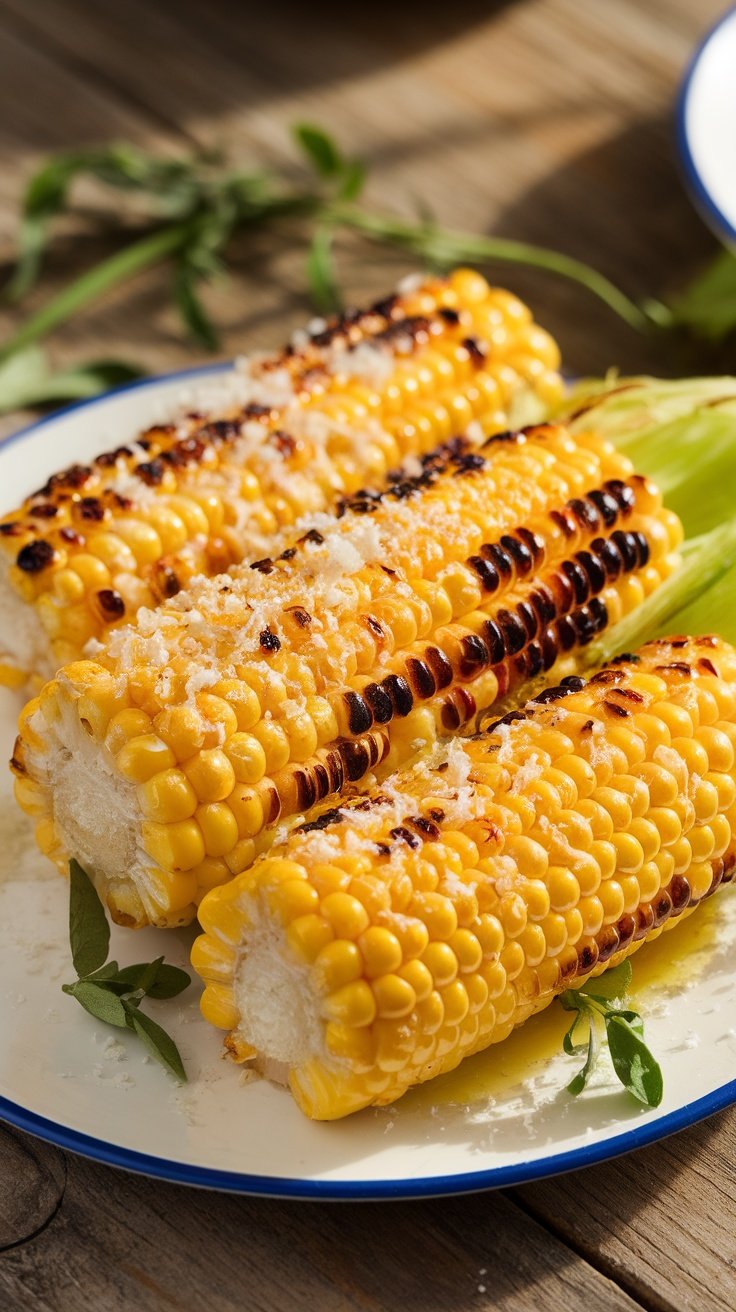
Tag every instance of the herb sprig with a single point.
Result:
(111, 993)
(189, 209)
(599, 1004)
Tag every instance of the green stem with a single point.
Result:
(449, 246)
(124, 264)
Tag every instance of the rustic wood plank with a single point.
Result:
(166, 1247)
(32, 1180)
(528, 121)
(660, 1222)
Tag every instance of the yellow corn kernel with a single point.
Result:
(218, 1006)
(246, 756)
(219, 827)
(381, 951)
(167, 796)
(211, 775)
(182, 729)
(176, 846)
(143, 757)
(354, 1004)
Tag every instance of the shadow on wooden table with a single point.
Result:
(117, 1241)
(621, 207)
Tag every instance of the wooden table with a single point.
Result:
(548, 120)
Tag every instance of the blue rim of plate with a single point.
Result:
(204, 1177)
(702, 198)
(241, 1182)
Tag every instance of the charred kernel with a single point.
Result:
(549, 647)
(421, 678)
(626, 927)
(608, 941)
(111, 604)
(268, 640)
(486, 571)
(606, 505)
(609, 556)
(379, 702)
(588, 955)
(500, 559)
(264, 566)
(576, 576)
(400, 832)
(44, 510)
(35, 556)
(544, 605)
(519, 553)
(400, 693)
(513, 631)
(332, 817)
(566, 633)
(614, 708)
(627, 547)
(13, 529)
(360, 717)
(642, 547)
(476, 352)
(623, 495)
(300, 616)
(165, 581)
(586, 513)
(594, 569)
(374, 626)
(474, 656)
(598, 613)
(494, 638)
(305, 788)
(151, 472)
(90, 508)
(564, 522)
(426, 826)
(534, 545)
(645, 920)
(356, 759)
(284, 443)
(289, 554)
(528, 617)
(662, 907)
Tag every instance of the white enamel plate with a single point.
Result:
(706, 127)
(502, 1118)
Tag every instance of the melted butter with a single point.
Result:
(678, 956)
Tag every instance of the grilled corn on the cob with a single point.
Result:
(339, 410)
(424, 921)
(399, 619)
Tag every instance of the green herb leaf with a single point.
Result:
(26, 381)
(568, 1043)
(708, 306)
(635, 1066)
(320, 272)
(353, 180)
(89, 932)
(320, 149)
(611, 984)
(99, 1001)
(192, 311)
(159, 1044)
(166, 982)
(579, 1081)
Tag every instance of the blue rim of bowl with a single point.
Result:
(702, 198)
(326, 1190)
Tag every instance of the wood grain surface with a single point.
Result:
(548, 120)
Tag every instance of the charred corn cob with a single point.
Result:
(422, 922)
(253, 697)
(342, 408)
